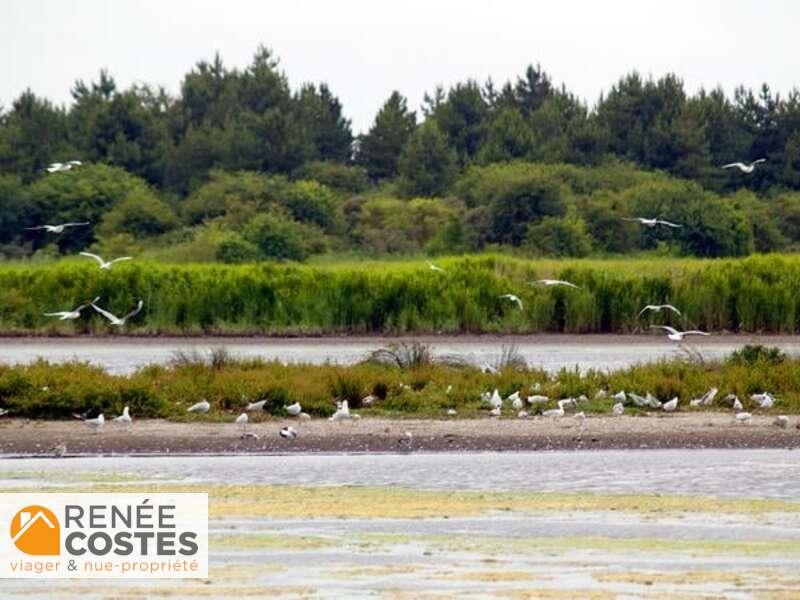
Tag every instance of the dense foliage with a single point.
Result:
(526, 165)
(753, 294)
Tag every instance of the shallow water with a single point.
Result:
(551, 352)
(717, 472)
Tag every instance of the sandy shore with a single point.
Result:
(697, 430)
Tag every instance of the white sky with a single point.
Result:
(365, 49)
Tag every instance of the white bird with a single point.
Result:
(367, 400)
(523, 414)
(514, 299)
(97, 422)
(764, 400)
(119, 321)
(57, 167)
(125, 417)
(743, 417)
(554, 413)
(620, 396)
(744, 167)
(242, 420)
(659, 308)
(513, 397)
(781, 421)
(538, 399)
(652, 401)
(255, 405)
(288, 433)
(638, 400)
(451, 412)
(201, 407)
(293, 409)
(706, 399)
(675, 335)
(670, 406)
(652, 222)
(737, 405)
(105, 264)
(495, 401)
(564, 402)
(618, 409)
(487, 368)
(600, 394)
(550, 282)
(580, 417)
(342, 412)
(495, 412)
(57, 228)
(4, 411)
(448, 390)
(517, 404)
(304, 416)
(433, 267)
(65, 315)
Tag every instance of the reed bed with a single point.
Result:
(426, 389)
(754, 294)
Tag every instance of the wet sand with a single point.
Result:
(696, 430)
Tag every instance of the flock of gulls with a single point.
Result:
(533, 405)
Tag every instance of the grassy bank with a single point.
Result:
(415, 387)
(756, 294)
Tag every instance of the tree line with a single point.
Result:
(239, 149)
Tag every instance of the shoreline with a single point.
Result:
(21, 437)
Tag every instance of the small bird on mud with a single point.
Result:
(618, 409)
(523, 414)
(97, 422)
(764, 400)
(743, 417)
(781, 421)
(554, 413)
(58, 450)
(342, 412)
(201, 407)
(293, 409)
(288, 433)
(242, 420)
(125, 417)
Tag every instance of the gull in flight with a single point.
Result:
(550, 282)
(119, 321)
(433, 267)
(293, 409)
(675, 335)
(65, 315)
(659, 308)
(744, 167)
(288, 433)
(514, 299)
(707, 398)
(103, 263)
(670, 406)
(651, 222)
(255, 405)
(201, 407)
(125, 417)
(618, 409)
(57, 167)
(57, 228)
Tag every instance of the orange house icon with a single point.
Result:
(35, 530)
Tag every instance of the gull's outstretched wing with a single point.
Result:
(738, 165)
(99, 260)
(135, 311)
(36, 228)
(105, 313)
(695, 332)
(760, 160)
(666, 328)
(116, 260)
(668, 223)
(60, 313)
(74, 224)
(637, 219)
(646, 308)
(673, 309)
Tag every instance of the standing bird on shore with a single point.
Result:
(288, 433)
(618, 409)
(554, 413)
(670, 406)
(242, 420)
(744, 167)
(743, 417)
(620, 396)
(652, 222)
(125, 417)
(201, 407)
(293, 409)
(105, 264)
(66, 315)
(58, 167)
(514, 299)
(706, 399)
(342, 412)
(57, 228)
(434, 268)
(764, 400)
(96, 423)
(659, 308)
(4, 411)
(538, 399)
(255, 405)
(675, 335)
(119, 321)
(551, 282)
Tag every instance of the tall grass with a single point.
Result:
(754, 294)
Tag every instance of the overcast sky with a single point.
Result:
(365, 49)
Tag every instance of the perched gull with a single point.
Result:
(288, 433)
(57, 167)
(619, 396)
(659, 308)
(743, 417)
(554, 413)
(201, 407)
(342, 412)
(670, 406)
(618, 409)
(293, 409)
(57, 228)
(652, 222)
(495, 412)
(433, 267)
(125, 417)
(706, 399)
(242, 420)
(65, 315)
(495, 401)
(638, 400)
(744, 167)
(105, 264)
(764, 400)
(255, 405)
(781, 421)
(737, 405)
(514, 299)
(675, 335)
(538, 399)
(523, 414)
(119, 321)
(549, 282)
(97, 422)
(515, 399)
